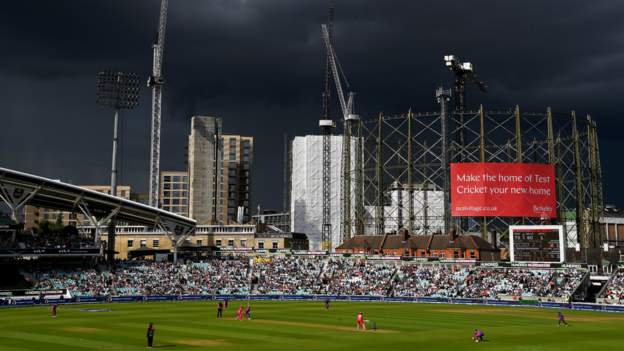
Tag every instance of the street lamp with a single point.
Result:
(117, 90)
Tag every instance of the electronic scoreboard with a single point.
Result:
(537, 243)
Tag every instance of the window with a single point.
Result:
(185, 179)
(261, 244)
(218, 242)
(472, 254)
(143, 243)
(167, 179)
(167, 186)
(176, 179)
(230, 243)
(130, 243)
(176, 185)
(199, 242)
(155, 243)
(243, 243)
(275, 244)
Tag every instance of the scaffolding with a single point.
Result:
(401, 171)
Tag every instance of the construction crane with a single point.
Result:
(349, 119)
(464, 73)
(156, 82)
(327, 125)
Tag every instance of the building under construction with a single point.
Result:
(403, 171)
(395, 169)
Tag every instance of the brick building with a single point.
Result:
(448, 246)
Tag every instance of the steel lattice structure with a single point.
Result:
(401, 176)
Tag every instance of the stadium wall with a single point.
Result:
(346, 298)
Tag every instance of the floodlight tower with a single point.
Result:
(117, 90)
(464, 73)
(156, 81)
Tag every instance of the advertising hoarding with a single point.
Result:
(503, 190)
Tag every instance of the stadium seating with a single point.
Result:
(614, 292)
(314, 275)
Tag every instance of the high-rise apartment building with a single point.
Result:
(174, 192)
(235, 197)
(204, 163)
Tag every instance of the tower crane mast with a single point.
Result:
(327, 125)
(349, 119)
(156, 82)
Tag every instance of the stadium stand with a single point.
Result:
(312, 275)
(478, 282)
(146, 279)
(614, 291)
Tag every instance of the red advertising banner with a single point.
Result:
(503, 190)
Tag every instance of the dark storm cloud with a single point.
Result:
(259, 64)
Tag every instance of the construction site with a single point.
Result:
(395, 172)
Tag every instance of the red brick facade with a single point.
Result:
(402, 244)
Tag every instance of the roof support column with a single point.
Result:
(16, 198)
(176, 233)
(97, 224)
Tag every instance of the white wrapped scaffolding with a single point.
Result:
(307, 188)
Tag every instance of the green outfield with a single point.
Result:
(303, 326)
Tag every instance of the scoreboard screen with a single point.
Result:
(538, 243)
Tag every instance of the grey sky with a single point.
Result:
(259, 64)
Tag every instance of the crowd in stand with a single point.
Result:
(313, 275)
(477, 282)
(145, 279)
(357, 277)
(614, 292)
(282, 275)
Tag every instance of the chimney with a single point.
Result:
(494, 238)
(404, 234)
(453, 234)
